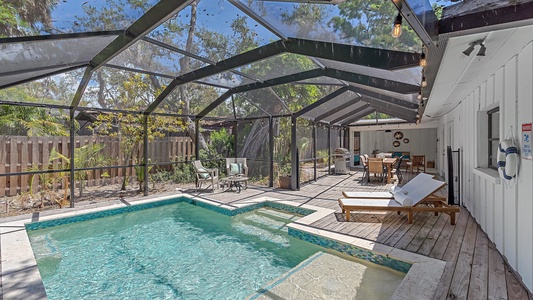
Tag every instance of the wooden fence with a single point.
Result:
(20, 154)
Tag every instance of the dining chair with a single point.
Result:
(397, 170)
(375, 166)
(417, 161)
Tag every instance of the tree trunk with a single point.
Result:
(255, 142)
(184, 65)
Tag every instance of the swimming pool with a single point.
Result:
(175, 251)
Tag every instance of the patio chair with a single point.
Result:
(205, 175)
(236, 166)
(421, 199)
(410, 186)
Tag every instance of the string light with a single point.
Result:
(397, 28)
(423, 62)
(424, 82)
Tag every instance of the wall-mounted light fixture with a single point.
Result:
(469, 49)
(481, 51)
(397, 28)
(472, 45)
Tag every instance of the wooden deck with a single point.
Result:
(474, 269)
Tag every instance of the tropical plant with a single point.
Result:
(139, 173)
(88, 156)
(223, 143)
(30, 121)
(47, 181)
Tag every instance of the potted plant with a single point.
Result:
(284, 178)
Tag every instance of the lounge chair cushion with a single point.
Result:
(403, 199)
(235, 169)
(396, 188)
(202, 174)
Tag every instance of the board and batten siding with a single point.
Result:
(504, 212)
(421, 141)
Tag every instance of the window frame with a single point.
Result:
(491, 139)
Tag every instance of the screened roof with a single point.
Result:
(332, 62)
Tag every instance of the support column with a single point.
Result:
(72, 148)
(314, 150)
(271, 151)
(145, 154)
(235, 137)
(329, 149)
(197, 139)
(294, 156)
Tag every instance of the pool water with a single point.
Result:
(176, 251)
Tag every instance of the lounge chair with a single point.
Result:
(409, 186)
(409, 203)
(205, 175)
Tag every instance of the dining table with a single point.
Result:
(389, 163)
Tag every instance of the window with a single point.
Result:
(494, 136)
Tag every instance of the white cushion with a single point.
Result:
(403, 199)
(396, 188)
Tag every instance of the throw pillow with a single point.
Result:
(203, 173)
(403, 199)
(234, 169)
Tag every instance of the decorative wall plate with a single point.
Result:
(406, 141)
(398, 135)
(396, 143)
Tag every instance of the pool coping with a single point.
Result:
(21, 278)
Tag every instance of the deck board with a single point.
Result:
(449, 252)
(496, 281)
(463, 269)
(480, 268)
(515, 291)
(433, 235)
(420, 236)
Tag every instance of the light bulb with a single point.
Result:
(423, 61)
(397, 28)
(424, 82)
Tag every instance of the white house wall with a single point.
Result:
(505, 213)
(421, 141)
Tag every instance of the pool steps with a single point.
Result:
(266, 224)
(285, 216)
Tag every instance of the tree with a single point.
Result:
(372, 25)
(129, 126)
(25, 17)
